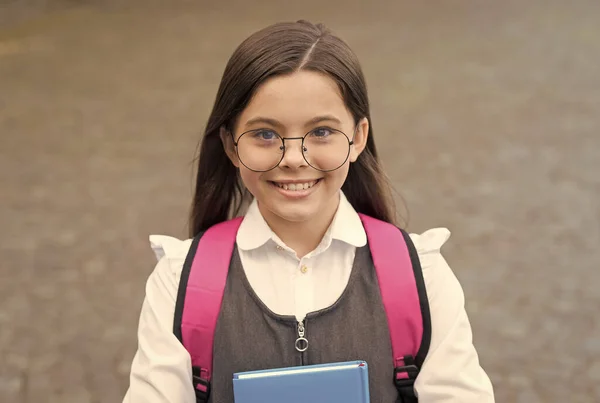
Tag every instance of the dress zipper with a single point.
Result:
(301, 342)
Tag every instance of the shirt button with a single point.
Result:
(304, 269)
(279, 247)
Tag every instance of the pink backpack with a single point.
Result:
(400, 280)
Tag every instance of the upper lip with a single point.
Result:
(288, 181)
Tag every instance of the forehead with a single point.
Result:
(297, 98)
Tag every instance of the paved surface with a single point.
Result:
(486, 114)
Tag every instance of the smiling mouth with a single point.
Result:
(296, 186)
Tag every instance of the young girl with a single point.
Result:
(290, 137)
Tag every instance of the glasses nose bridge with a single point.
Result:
(284, 139)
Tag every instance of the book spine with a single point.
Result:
(364, 374)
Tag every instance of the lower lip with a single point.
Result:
(296, 194)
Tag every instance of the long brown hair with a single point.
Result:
(284, 48)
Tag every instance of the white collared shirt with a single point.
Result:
(301, 285)
(161, 368)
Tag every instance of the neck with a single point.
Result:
(302, 236)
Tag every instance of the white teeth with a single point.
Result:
(295, 186)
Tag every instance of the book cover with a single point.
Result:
(345, 382)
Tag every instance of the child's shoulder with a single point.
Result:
(174, 251)
(431, 240)
(170, 249)
(428, 245)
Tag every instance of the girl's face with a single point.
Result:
(291, 106)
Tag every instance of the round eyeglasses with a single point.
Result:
(323, 148)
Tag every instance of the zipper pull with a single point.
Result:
(301, 342)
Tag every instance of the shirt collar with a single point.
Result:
(346, 226)
(254, 231)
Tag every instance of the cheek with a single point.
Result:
(338, 177)
(249, 178)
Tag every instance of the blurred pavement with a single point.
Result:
(486, 114)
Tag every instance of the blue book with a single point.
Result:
(344, 382)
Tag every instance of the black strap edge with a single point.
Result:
(183, 282)
(423, 300)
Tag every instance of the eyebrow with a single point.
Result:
(278, 124)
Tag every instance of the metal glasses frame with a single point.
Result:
(283, 148)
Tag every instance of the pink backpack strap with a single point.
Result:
(404, 298)
(199, 298)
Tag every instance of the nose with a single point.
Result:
(292, 156)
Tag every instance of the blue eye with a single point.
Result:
(321, 132)
(265, 135)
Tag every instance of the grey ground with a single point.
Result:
(486, 113)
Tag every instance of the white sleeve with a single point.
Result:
(451, 372)
(161, 368)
